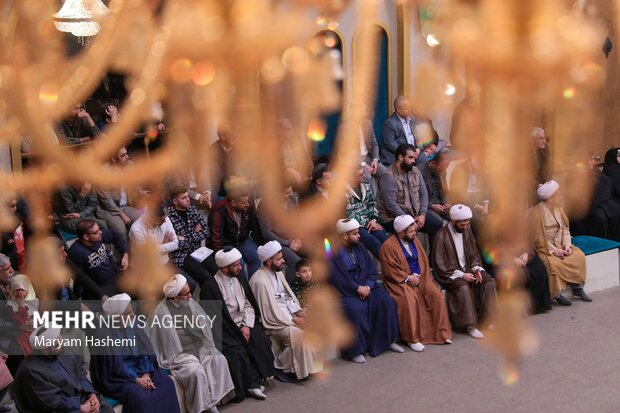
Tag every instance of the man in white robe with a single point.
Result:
(282, 316)
(189, 353)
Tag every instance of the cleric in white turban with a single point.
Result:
(460, 212)
(43, 338)
(457, 264)
(192, 359)
(548, 189)
(129, 372)
(549, 227)
(244, 342)
(174, 285)
(346, 225)
(403, 222)
(268, 250)
(281, 314)
(225, 258)
(117, 304)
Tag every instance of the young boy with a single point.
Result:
(303, 283)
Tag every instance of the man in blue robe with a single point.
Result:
(367, 306)
(132, 375)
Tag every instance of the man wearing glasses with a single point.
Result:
(90, 254)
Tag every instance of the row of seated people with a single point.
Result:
(407, 305)
(379, 318)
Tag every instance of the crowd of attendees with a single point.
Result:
(223, 245)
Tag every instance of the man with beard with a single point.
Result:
(234, 224)
(244, 343)
(402, 192)
(422, 312)
(470, 290)
(282, 316)
(50, 381)
(188, 351)
(367, 306)
(131, 375)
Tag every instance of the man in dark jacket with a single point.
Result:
(244, 343)
(50, 381)
(90, 254)
(234, 224)
(73, 204)
(400, 128)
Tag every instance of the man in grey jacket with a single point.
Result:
(402, 192)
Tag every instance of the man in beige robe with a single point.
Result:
(565, 263)
(470, 290)
(189, 353)
(282, 316)
(422, 311)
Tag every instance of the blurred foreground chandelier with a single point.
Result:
(79, 17)
(212, 61)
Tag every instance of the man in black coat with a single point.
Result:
(241, 337)
(50, 381)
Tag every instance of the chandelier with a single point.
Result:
(78, 17)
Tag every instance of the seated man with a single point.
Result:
(362, 207)
(131, 375)
(320, 182)
(124, 198)
(402, 192)
(80, 284)
(565, 263)
(244, 343)
(397, 130)
(189, 353)
(90, 254)
(367, 306)
(191, 231)
(458, 266)
(73, 204)
(467, 187)
(428, 153)
(422, 312)
(269, 232)
(79, 127)
(51, 381)
(157, 228)
(282, 316)
(368, 145)
(223, 151)
(296, 159)
(431, 173)
(233, 224)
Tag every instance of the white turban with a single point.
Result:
(268, 250)
(546, 190)
(117, 304)
(460, 212)
(47, 334)
(174, 285)
(403, 222)
(346, 225)
(224, 259)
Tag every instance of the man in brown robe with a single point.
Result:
(565, 263)
(422, 312)
(470, 290)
